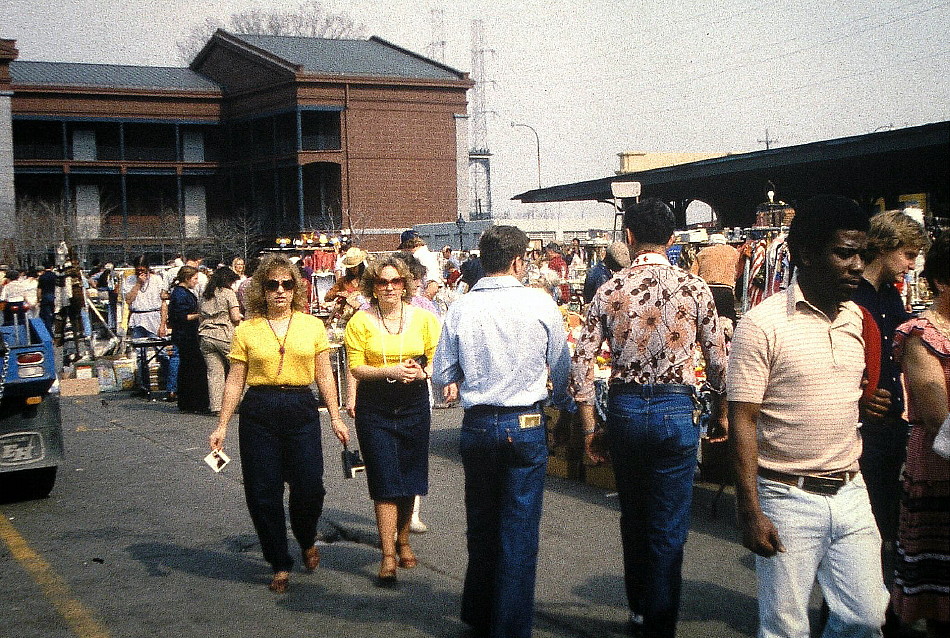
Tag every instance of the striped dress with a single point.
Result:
(922, 574)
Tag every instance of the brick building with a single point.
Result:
(261, 136)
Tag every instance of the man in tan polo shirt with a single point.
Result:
(793, 382)
(717, 264)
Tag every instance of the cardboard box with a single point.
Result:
(601, 476)
(124, 373)
(78, 387)
(106, 375)
(557, 467)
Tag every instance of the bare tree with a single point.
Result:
(310, 19)
(40, 225)
(355, 222)
(238, 234)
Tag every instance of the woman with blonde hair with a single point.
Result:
(389, 347)
(922, 346)
(279, 352)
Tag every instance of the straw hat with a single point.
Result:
(353, 257)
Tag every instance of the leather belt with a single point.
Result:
(281, 388)
(503, 409)
(652, 389)
(827, 484)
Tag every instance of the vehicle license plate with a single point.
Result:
(21, 447)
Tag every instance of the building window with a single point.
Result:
(150, 143)
(320, 130)
(37, 140)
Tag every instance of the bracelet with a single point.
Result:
(589, 432)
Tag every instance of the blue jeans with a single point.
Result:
(47, 311)
(653, 444)
(279, 434)
(833, 538)
(504, 466)
(171, 379)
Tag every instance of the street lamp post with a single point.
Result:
(460, 222)
(537, 141)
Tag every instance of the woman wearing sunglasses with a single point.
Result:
(279, 352)
(389, 346)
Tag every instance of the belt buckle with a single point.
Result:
(820, 485)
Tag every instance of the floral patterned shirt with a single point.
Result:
(652, 315)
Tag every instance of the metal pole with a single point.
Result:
(537, 141)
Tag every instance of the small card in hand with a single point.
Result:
(217, 460)
(352, 463)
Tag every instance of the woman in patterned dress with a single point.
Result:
(922, 345)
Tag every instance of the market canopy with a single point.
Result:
(885, 165)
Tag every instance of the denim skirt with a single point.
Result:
(392, 427)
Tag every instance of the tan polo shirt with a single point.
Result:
(805, 370)
(717, 264)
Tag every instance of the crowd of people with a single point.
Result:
(837, 477)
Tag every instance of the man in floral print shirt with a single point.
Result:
(652, 315)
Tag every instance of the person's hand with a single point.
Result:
(718, 430)
(759, 533)
(340, 429)
(420, 372)
(594, 448)
(350, 406)
(450, 393)
(406, 371)
(216, 439)
(876, 405)
(143, 278)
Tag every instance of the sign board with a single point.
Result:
(623, 190)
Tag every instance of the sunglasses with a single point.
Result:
(271, 285)
(396, 282)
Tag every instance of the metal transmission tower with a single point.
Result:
(479, 157)
(436, 48)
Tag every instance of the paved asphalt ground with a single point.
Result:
(140, 538)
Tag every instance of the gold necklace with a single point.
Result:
(281, 342)
(382, 319)
(402, 336)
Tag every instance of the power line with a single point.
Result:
(792, 89)
(787, 54)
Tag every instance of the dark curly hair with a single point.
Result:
(817, 219)
(650, 220)
(223, 277)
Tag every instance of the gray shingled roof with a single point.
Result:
(374, 57)
(108, 76)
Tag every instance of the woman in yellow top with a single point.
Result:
(389, 347)
(279, 353)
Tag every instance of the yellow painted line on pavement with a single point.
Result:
(80, 621)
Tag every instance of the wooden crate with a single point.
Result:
(601, 476)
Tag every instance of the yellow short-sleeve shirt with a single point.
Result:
(369, 344)
(256, 345)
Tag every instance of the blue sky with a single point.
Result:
(598, 77)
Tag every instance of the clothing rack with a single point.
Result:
(757, 233)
